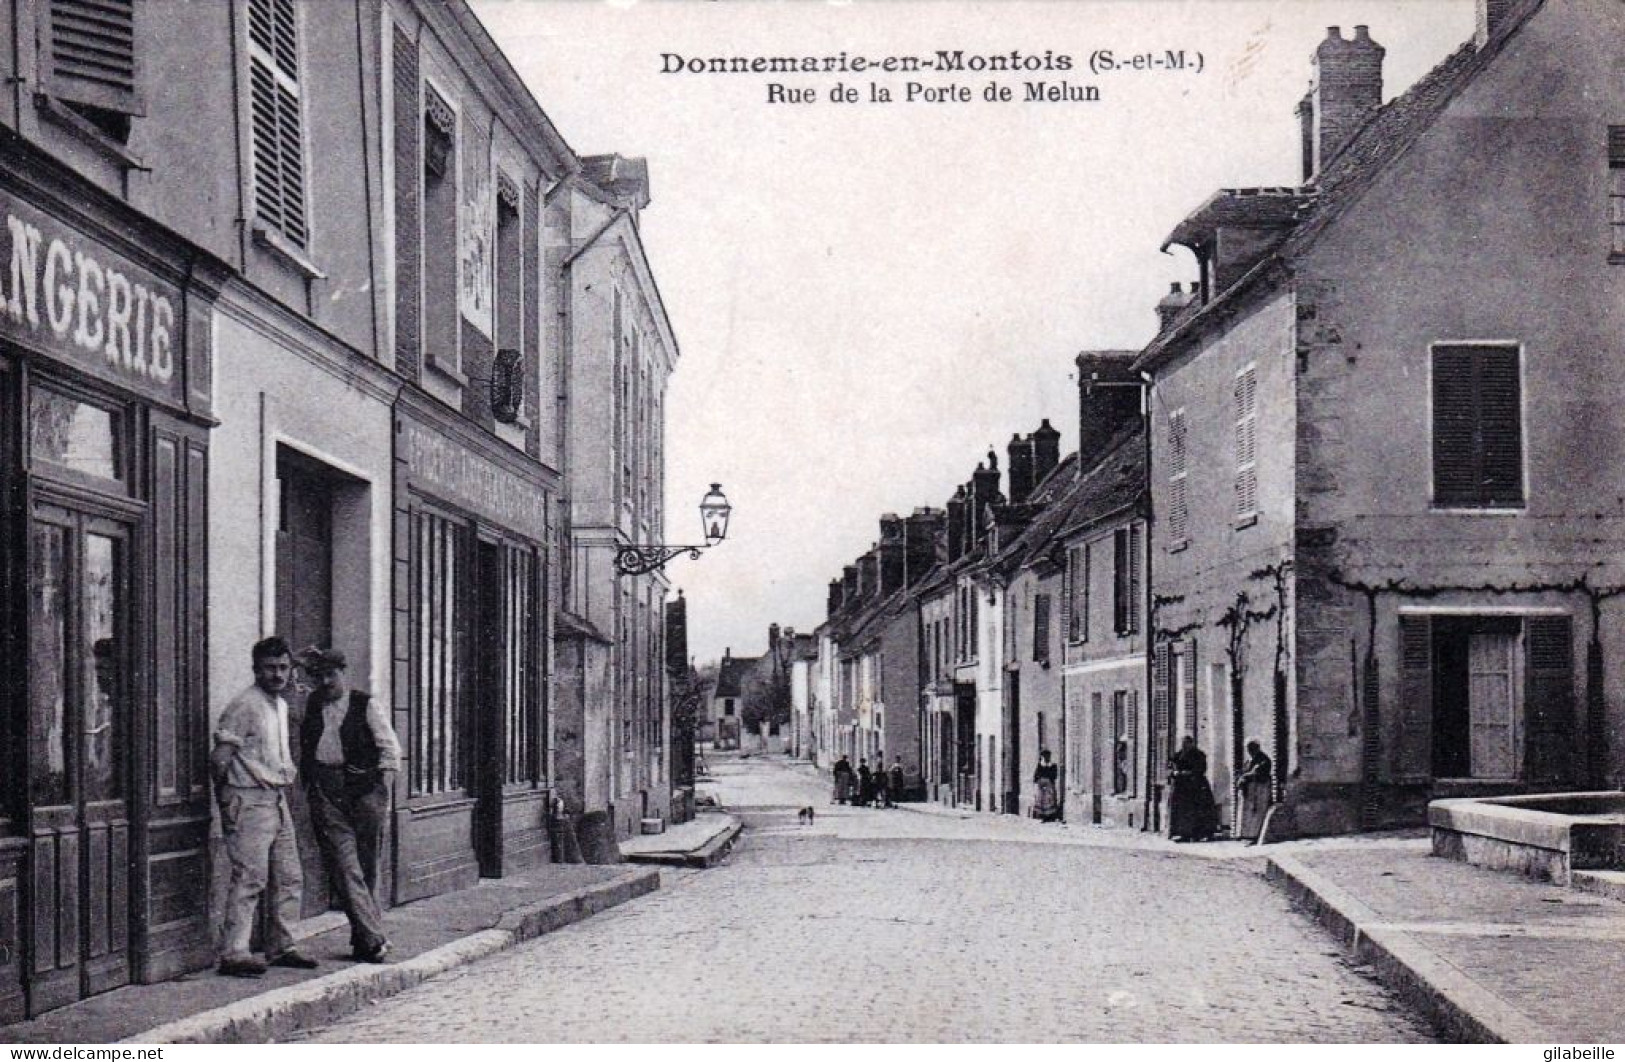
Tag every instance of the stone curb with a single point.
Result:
(278, 1014)
(707, 855)
(1463, 1010)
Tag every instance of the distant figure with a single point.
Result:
(897, 778)
(843, 780)
(1254, 783)
(866, 784)
(1047, 804)
(1192, 815)
(882, 784)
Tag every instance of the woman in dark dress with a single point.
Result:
(1192, 814)
(843, 780)
(866, 784)
(1046, 802)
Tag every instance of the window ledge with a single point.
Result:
(446, 368)
(269, 238)
(1179, 547)
(1488, 510)
(1244, 522)
(63, 116)
(1617, 258)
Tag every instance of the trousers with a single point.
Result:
(347, 811)
(264, 853)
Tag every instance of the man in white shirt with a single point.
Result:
(253, 767)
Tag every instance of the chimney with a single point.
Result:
(893, 554)
(1172, 305)
(1104, 410)
(1046, 451)
(773, 640)
(849, 586)
(834, 603)
(956, 524)
(869, 572)
(1346, 85)
(984, 492)
(1492, 17)
(1022, 479)
(919, 544)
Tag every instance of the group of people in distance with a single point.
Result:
(1193, 815)
(869, 786)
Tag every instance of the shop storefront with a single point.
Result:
(471, 666)
(104, 431)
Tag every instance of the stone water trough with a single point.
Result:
(1558, 837)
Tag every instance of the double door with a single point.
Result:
(79, 692)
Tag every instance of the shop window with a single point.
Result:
(75, 436)
(1477, 427)
(88, 62)
(276, 122)
(520, 666)
(439, 574)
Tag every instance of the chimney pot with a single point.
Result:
(1334, 33)
(1362, 33)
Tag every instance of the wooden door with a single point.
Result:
(79, 744)
(304, 616)
(1492, 700)
(489, 717)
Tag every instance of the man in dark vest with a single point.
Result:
(348, 752)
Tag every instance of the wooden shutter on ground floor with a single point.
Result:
(1188, 680)
(1413, 737)
(1549, 699)
(1159, 702)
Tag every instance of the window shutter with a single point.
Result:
(1549, 699)
(1246, 396)
(408, 211)
(1413, 758)
(1159, 700)
(1477, 427)
(1069, 578)
(1131, 733)
(1135, 546)
(1041, 628)
(1082, 605)
(1179, 515)
(1189, 682)
(1120, 577)
(88, 54)
(277, 126)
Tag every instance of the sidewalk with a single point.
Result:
(1490, 955)
(703, 842)
(428, 938)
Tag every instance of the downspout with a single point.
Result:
(1151, 796)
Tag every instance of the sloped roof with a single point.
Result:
(1244, 207)
(731, 672)
(1385, 136)
(1111, 486)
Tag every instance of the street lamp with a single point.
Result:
(714, 513)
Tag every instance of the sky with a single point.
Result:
(869, 296)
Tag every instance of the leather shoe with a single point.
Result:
(242, 968)
(294, 960)
(373, 954)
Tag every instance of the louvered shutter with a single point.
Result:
(1179, 515)
(88, 54)
(277, 125)
(1160, 735)
(1120, 574)
(1188, 677)
(1413, 752)
(1477, 427)
(1246, 407)
(1041, 628)
(1549, 700)
(1069, 614)
(1136, 544)
(1616, 190)
(408, 211)
(1131, 733)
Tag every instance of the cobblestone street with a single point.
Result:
(902, 926)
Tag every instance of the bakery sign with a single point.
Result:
(84, 303)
